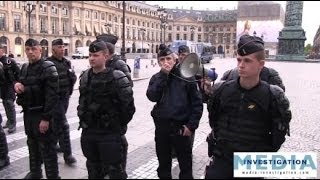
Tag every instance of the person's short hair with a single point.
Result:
(110, 47)
(97, 46)
(108, 38)
(57, 42)
(32, 42)
(183, 49)
(249, 44)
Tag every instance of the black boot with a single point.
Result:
(4, 162)
(69, 159)
(31, 175)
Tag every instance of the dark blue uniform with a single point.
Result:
(178, 103)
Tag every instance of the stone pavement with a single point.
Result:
(303, 91)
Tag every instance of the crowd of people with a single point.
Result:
(248, 109)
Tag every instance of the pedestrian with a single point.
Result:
(106, 104)
(67, 79)
(116, 63)
(176, 115)
(267, 74)
(246, 114)
(8, 96)
(38, 96)
(4, 158)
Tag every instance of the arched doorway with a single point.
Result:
(44, 45)
(88, 43)
(220, 49)
(4, 43)
(78, 43)
(18, 46)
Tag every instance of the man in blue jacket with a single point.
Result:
(176, 115)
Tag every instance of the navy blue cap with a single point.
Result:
(57, 42)
(108, 38)
(183, 49)
(32, 42)
(249, 44)
(164, 51)
(97, 45)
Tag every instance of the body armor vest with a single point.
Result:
(242, 122)
(63, 68)
(99, 103)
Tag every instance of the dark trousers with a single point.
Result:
(41, 146)
(166, 138)
(8, 97)
(219, 168)
(124, 144)
(3, 142)
(59, 115)
(103, 153)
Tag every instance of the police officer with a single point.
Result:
(38, 96)
(4, 158)
(11, 72)
(176, 115)
(106, 105)
(246, 114)
(67, 79)
(267, 74)
(116, 63)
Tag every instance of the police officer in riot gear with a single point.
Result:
(67, 79)
(116, 63)
(245, 114)
(176, 115)
(4, 158)
(37, 94)
(106, 105)
(8, 96)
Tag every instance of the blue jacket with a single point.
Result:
(176, 100)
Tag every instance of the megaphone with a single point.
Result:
(192, 66)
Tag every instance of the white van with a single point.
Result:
(81, 53)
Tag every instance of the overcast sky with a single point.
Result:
(310, 17)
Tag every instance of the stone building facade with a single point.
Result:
(78, 22)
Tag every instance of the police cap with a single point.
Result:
(164, 51)
(57, 42)
(108, 38)
(183, 49)
(249, 44)
(97, 45)
(32, 42)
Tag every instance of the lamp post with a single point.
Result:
(224, 44)
(143, 30)
(192, 33)
(29, 8)
(163, 16)
(123, 49)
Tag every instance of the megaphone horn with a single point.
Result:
(192, 66)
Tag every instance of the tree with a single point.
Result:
(307, 49)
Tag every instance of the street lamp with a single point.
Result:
(163, 16)
(192, 32)
(143, 30)
(29, 8)
(123, 49)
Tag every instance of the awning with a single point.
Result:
(88, 27)
(96, 28)
(77, 26)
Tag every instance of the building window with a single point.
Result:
(170, 28)
(65, 27)
(17, 23)
(199, 37)
(143, 23)
(115, 19)
(221, 28)
(2, 21)
(128, 33)
(152, 36)
(54, 10)
(77, 13)
(43, 25)
(103, 16)
(185, 28)
(65, 11)
(17, 4)
(1, 3)
(138, 23)
(110, 18)
(87, 15)
(184, 36)
(95, 15)
(133, 33)
(128, 22)
(133, 22)
(43, 8)
(54, 26)
(207, 28)
(199, 29)
(178, 28)
(169, 37)
(178, 37)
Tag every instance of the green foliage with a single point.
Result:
(307, 49)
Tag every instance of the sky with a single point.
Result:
(310, 16)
